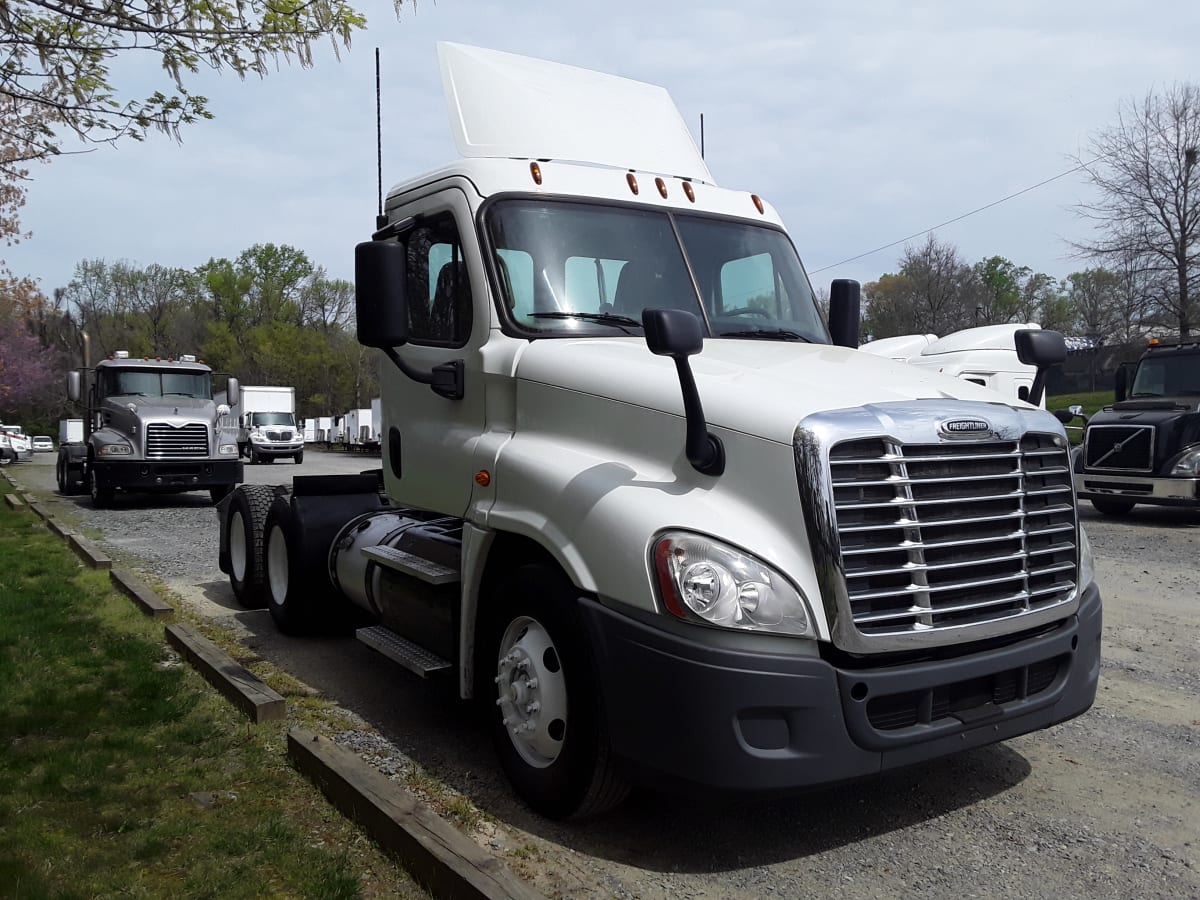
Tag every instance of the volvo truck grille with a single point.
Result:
(954, 534)
(168, 442)
(1124, 447)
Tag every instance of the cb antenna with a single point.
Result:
(702, 135)
(380, 218)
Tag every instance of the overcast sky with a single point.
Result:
(861, 122)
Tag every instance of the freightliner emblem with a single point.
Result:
(965, 428)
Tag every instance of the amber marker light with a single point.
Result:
(629, 176)
(483, 478)
(758, 204)
(662, 187)
(1153, 342)
(687, 190)
(536, 171)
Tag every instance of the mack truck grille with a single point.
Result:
(937, 536)
(168, 442)
(1127, 447)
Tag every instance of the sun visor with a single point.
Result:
(502, 105)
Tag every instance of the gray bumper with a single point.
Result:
(1139, 489)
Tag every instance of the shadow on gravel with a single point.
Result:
(1145, 516)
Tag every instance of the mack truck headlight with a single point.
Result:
(704, 580)
(227, 450)
(1187, 464)
(114, 450)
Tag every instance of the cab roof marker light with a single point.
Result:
(536, 171)
(632, 179)
(758, 204)
(689, 192)
(662, 187)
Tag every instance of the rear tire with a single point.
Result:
(289, 587)
(1112, 507)
(246, 516)
(545, 706)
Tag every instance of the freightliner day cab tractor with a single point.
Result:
(1145, 447)
(643, 506)
(150, 426)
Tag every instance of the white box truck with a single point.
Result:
(70, 431)
(266, 424)
(356, 429)
(639, 499)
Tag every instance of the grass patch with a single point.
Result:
(1091, 402)
(124, 773)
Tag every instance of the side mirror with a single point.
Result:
(1121, 384)
(381, 310)
(678, 334)
(233, 391)
(1075, 410)
(845, 302)
(1041, 349)
(672, 332)
(74, 385)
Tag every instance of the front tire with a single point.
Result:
(546, 716)
(246, 517)
(1111, 507)
(299, 457)
(101, 491)
(254, 457)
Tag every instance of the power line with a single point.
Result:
(965, 215)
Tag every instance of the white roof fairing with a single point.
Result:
(502, 105)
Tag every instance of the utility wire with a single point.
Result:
(965, 215)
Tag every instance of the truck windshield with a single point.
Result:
(145, 383)
(277, 418)
(581, 268)
(1174, 375)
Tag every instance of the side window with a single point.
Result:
(438, 289)
(750, 285)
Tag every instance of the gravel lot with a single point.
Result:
(1105, 805)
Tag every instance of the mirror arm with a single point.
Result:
(446, 379)
(1038, 386)
(703, 449)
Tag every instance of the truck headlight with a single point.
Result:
(704, 580)
(227, 450)
(1187, 464)
(1087, 563)
(257, 436)
(114, 450)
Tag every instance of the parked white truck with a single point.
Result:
(266, 422)
(984, 355)
(150, 426)
(639, 500)
(357, 429)
(70, 431)
(17, 441)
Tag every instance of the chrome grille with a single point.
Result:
(165, 441)
(1124, 447)
(936, 536)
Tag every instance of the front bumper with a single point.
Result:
(285, 449)
(698, 707)
(1139, 488)
(171, 475)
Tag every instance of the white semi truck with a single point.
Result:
(644, 505)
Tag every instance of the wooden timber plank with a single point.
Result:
(140, 593)
(246, 691)
(15, 501)
(444, 860)
(89, 552)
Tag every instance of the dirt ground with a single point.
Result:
(1105, 805)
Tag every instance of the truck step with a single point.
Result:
(408, 564)
(401, 650)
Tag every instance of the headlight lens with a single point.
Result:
(1087, 563)
(227, 449)
(704, 580)
(115, 450)
(1188, 464)
(257, 436)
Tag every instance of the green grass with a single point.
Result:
(123, 773)
(1091, 403)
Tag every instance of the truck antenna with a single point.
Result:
(702, 135)
(380, 218)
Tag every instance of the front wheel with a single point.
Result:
(101, 491)
(299, 457)
(5, 459)
(1110, 507)
(546, 719)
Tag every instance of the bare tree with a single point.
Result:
(1148, 210)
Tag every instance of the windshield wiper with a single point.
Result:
(1144, 394)
(178, 394)
(784, 333)
(600, 318)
